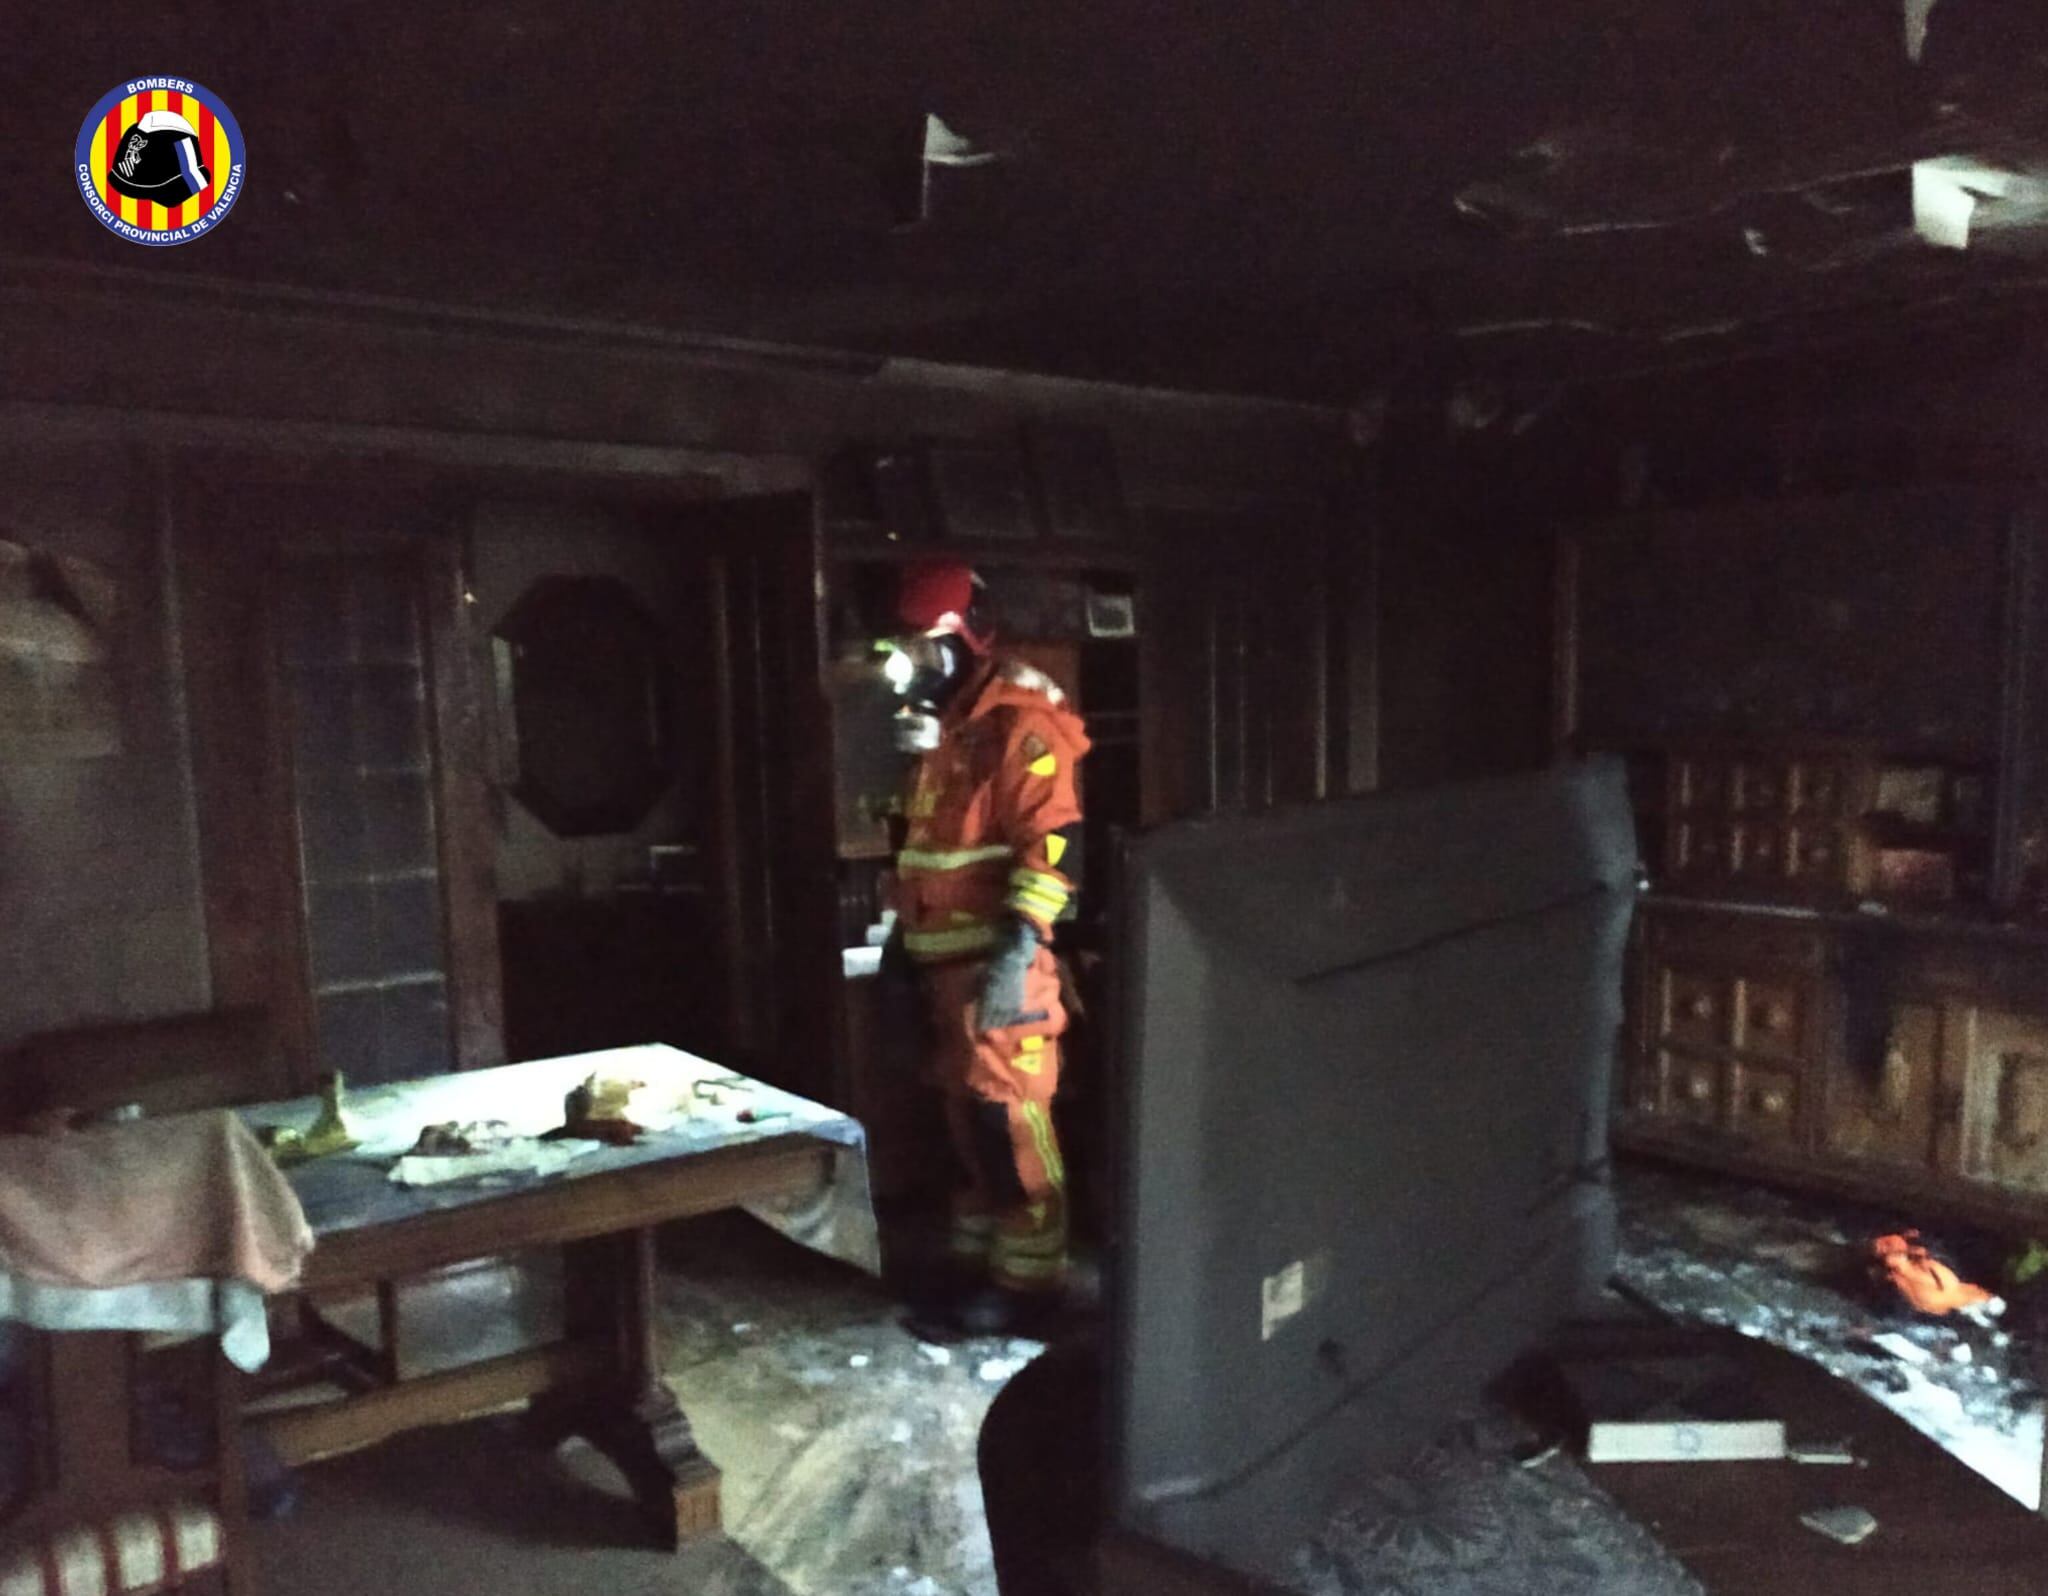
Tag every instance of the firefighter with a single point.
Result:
(988, 867)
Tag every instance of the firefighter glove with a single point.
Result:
(1002, 985)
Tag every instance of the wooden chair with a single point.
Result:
(174, 1066)
(99, 1513)
(169, 1066)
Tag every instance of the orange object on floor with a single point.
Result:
(1923, 1279)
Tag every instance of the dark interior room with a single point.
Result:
(945, 799)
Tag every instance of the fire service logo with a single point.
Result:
(160, 161)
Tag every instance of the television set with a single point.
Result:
(1365, 1051)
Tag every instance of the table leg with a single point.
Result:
(630, 1415)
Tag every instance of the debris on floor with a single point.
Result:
(846, 1477)
(1696, 1408)
(1849, 1525)
(1796, 1273)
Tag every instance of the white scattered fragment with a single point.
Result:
(1948, 1404)
(816, 1376)
(860, 1360)
(741, 1328)
(2001, 1339)
(1948, 191)
(1899, 1347)
(938, 1355)
(925, 1585)
(1848, 1525)
(792, 1432)
(1960, 1352)
(1917, 14)
(1834, 1454)
(900, 1432)
(997, 1370)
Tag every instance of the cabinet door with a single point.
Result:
(1886, 1110)
(2006, 1119)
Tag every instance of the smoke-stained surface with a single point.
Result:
(1291, 199)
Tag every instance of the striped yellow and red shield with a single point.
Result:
(213, 144)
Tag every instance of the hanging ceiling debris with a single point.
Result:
(1280, 200)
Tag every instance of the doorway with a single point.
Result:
(657, 733)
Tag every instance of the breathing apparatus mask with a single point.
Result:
(926, 672)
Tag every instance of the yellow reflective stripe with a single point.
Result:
(972, 1242)
(1043, 765)
(1055, 848)
(1048, 1144)
(937, 944)
(1035, 892)
(1033, 1044)
(1008, 1263)
(943, 859)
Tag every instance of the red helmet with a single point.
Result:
(944, 596)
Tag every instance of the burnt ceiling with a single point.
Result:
(1284, 198)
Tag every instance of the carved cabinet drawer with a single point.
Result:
(1762, 1103)
(1771, 825)
(1693, 1006)
(1677, 1088)
(1772, 1015)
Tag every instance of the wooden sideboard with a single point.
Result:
(1897, 1059)
(1832, 711)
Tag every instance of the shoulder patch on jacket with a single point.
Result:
(1039, 758)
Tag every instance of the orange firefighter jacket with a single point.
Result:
(993, 812)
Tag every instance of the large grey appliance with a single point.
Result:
(1366, 1048)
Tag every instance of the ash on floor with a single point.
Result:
(849, 1456)
(1791, 1271)
(849, 1448)
(847, 1445)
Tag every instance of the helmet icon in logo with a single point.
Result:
(159, 159)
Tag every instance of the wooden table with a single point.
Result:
(603, 1380)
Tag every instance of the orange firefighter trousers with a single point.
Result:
(1010, 1215)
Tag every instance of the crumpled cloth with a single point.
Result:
(173, 1224)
